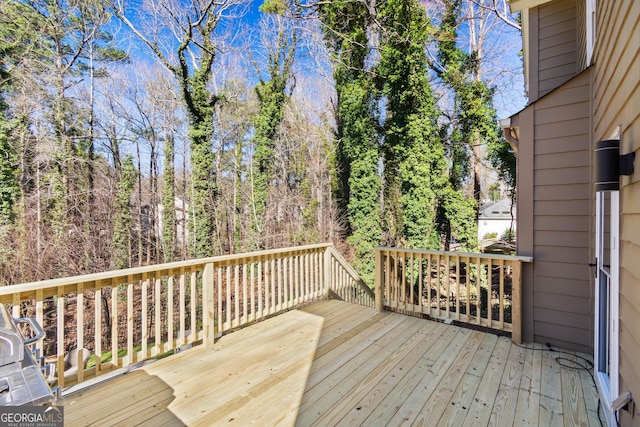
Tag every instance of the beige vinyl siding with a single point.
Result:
(556, 45)
(562, 208)
(617, 103)
(581, 35)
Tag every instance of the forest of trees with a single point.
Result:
(134, 133)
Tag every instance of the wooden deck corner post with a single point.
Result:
(208, 309)
(379, 274)
(516, 302)
(327, 272)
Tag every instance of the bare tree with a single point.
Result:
(188, 53)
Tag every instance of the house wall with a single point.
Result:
(617, 103)
(493, 225)
(553, 46)
(581, 36)
(563, 313)
(556, 189)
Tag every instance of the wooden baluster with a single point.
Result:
(170, 316)
(412, 275)
(296, 275)
(489, 291)
(145, 320)
(307, 276)
(267, 287)
(193, 283)
(114, 324)
(158, 316)
(245, 296)
(280, 297)
(80, 331)
(130, 324)
(274, 280)
(404, 269)
(314, 274)
(183, 302)
(429, 282)
(457, 297)
(479, 290)
(253, 291)
(501, 294)
(40, 316)
(389, 283)
(440, 283)
(288, 289)
(220, 299)
(97, 336)
(260, 290)
(420, 282)
(236, 295)
(60, 323)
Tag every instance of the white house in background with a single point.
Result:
(182, 215)
(496, 217)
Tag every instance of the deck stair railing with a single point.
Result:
(128, 316)
(473, 288)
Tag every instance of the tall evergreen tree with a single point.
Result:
(358, 189)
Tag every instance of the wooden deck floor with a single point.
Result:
(335, 363)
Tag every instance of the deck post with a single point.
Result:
(208, 309)
(378, 280)
(516, 303)
(327, 272)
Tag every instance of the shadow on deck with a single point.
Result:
(335, 363)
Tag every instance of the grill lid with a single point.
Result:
(11, 341)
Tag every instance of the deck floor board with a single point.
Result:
(334, 363)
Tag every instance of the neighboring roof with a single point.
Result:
(496, 210)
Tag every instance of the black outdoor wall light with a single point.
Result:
(610, 165)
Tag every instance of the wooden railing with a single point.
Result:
(479, 289)
(128, 316)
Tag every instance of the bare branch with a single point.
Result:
(503, 14)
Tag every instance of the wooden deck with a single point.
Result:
(335, 363)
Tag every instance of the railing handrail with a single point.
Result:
(459, 254)
(352, 272)
(155, 268)
(469, 296)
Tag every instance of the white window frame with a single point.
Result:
(608, 385)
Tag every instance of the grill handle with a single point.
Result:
(35, 326)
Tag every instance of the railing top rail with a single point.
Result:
(173, 266)
(458, 254)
